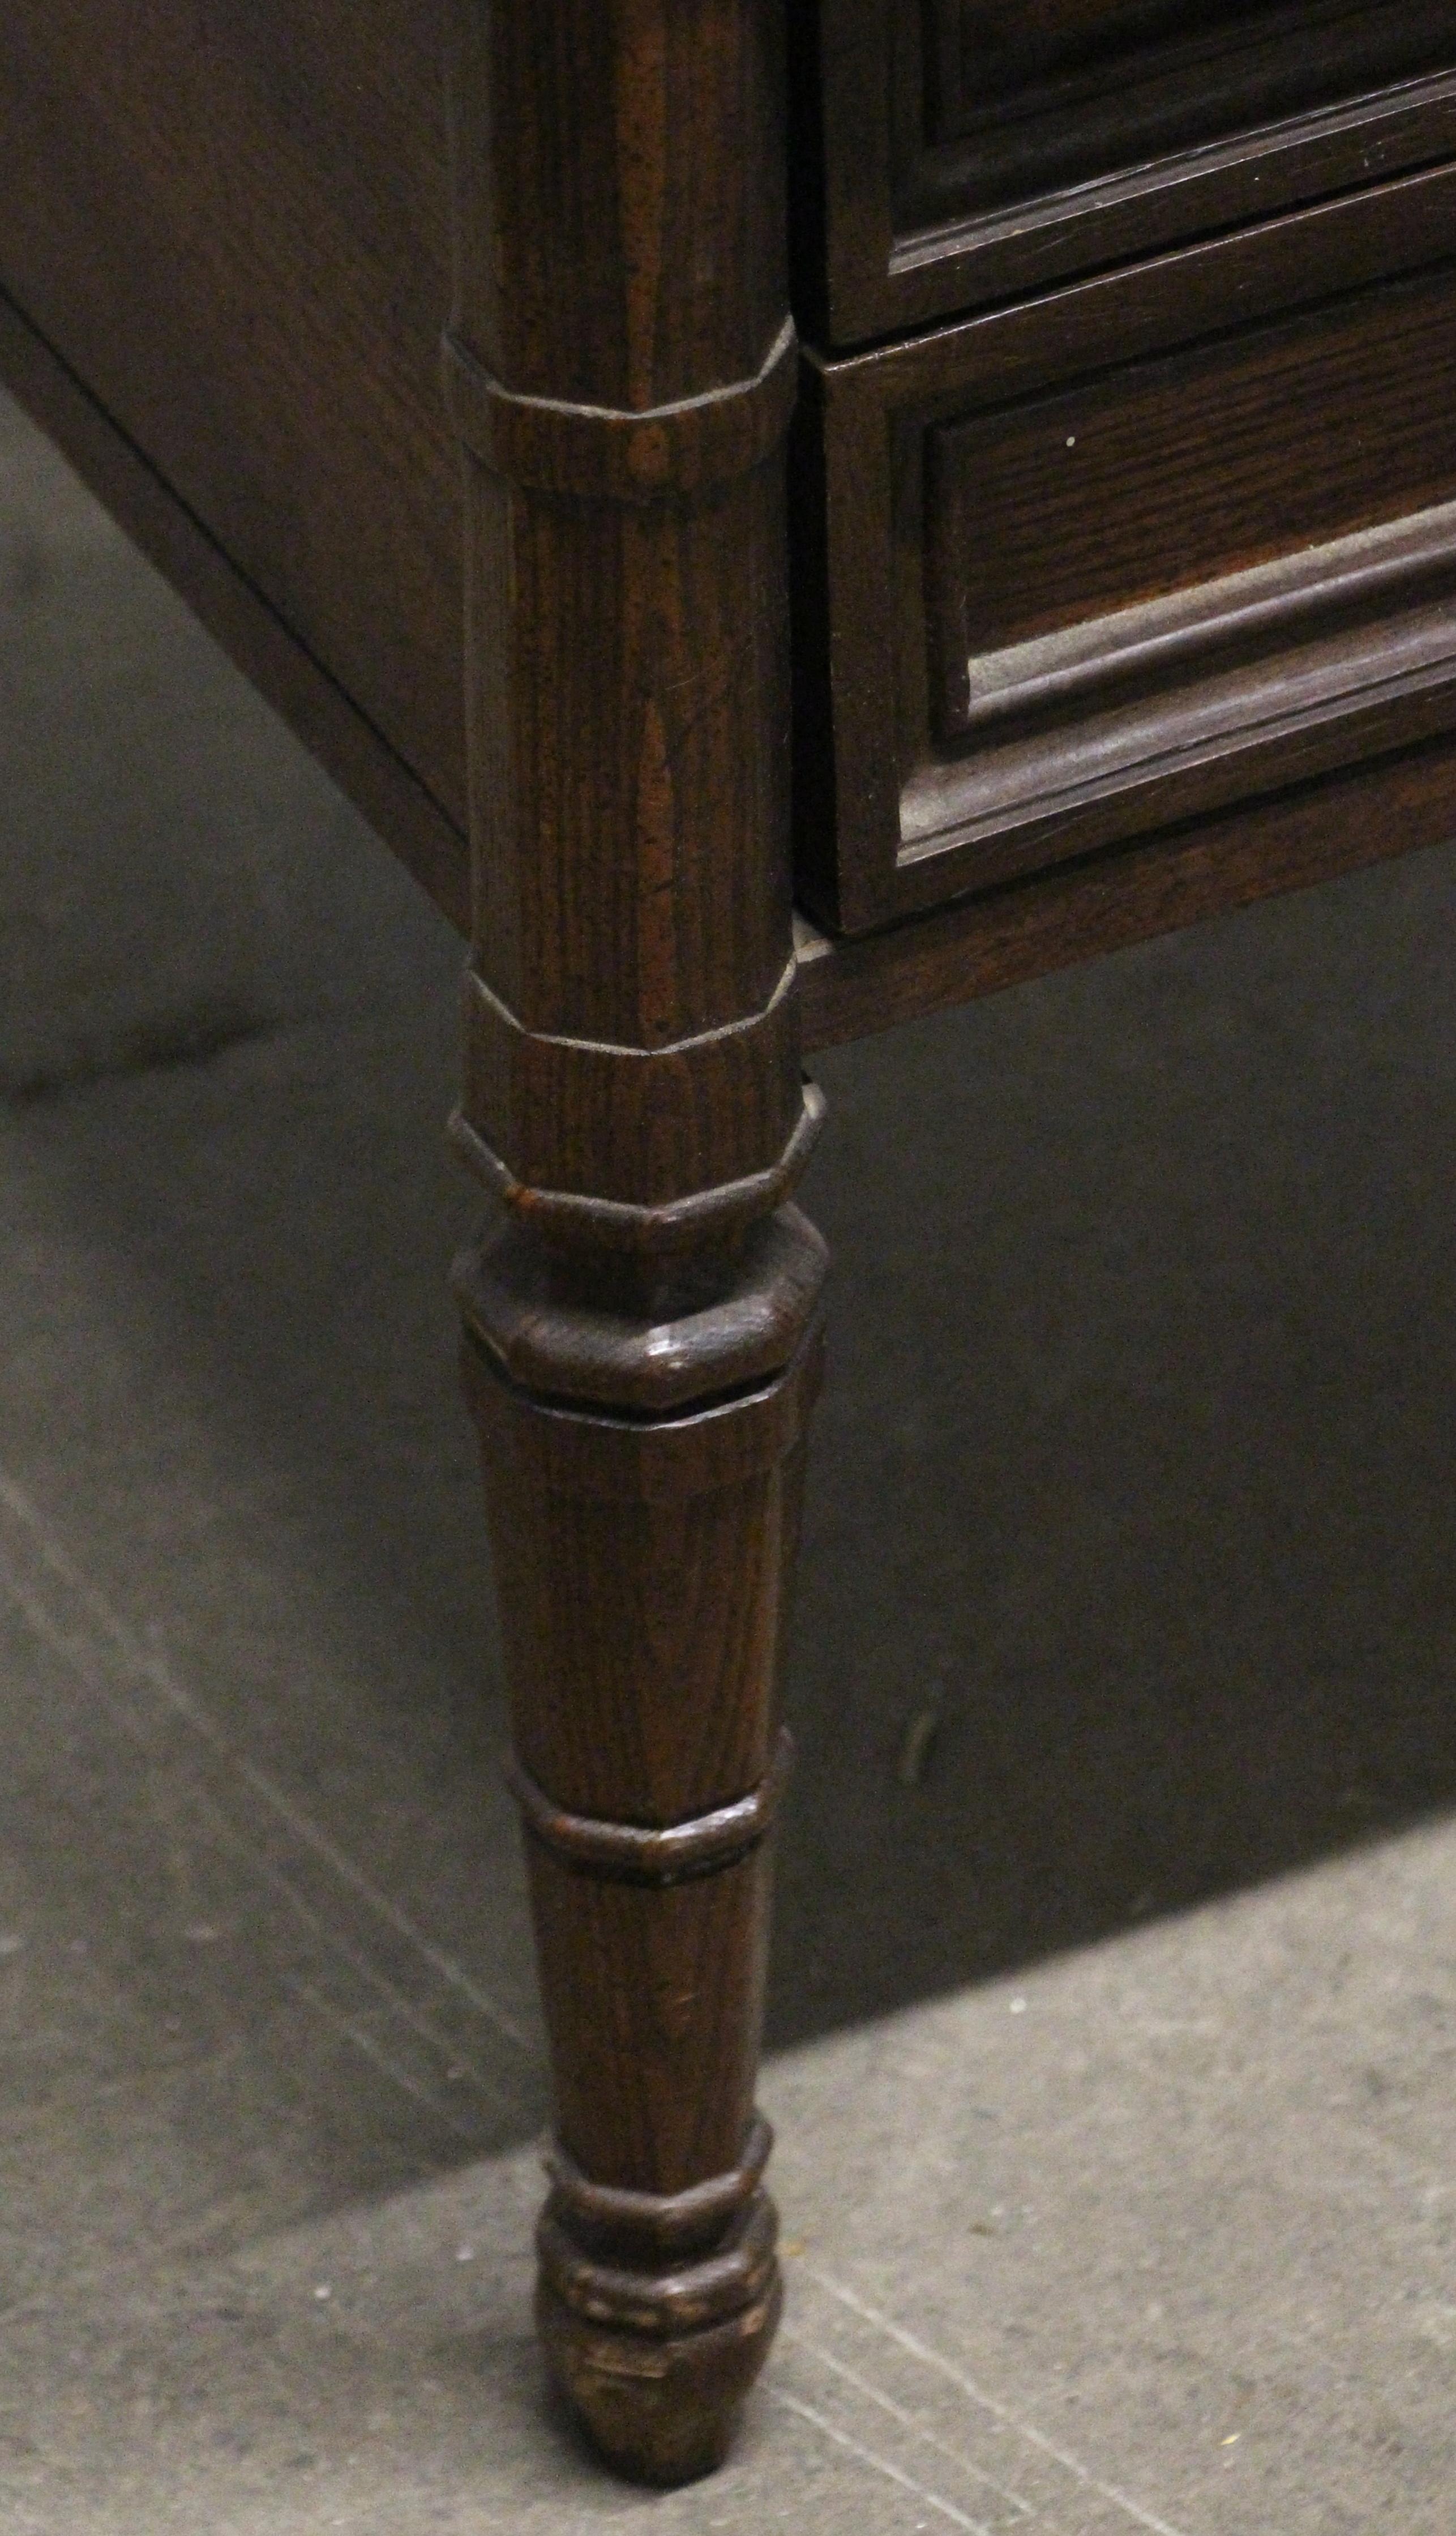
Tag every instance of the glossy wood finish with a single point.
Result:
(642, 1331)
(1057, 585)
(642, 1568)
(225, 237)
(265, 354)
(949, 153)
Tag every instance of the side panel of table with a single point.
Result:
(231, 225)
(998, 937)
(185, 360)
(236, 615)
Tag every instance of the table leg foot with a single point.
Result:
(660, 2408)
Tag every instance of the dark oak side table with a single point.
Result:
(1076, 559)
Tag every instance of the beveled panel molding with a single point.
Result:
(1059, 588)
(955, 151)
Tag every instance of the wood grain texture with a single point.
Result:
(643, 1126)
(643, 1569)
(643, 1641)
(1342, 585)
(1110, 76)
(983, 48)
(963, 152)
(1057, 584)
(848, 990)
(325, 720)
(1003, 937)
(636, 683)
(566, 1328)
(231, 222)
(642, 1339)
(1174, 472)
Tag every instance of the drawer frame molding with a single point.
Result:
(899, 225)
(934, 758)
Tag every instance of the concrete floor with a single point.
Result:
(1113, 2045)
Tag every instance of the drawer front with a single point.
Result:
(1053, 598)
(955, 151)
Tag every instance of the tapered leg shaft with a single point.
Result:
(642, 1566)
(642, 1336)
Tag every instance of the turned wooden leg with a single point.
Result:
(641, 1333)
(642, 1565)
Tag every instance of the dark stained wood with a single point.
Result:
(1112, 77)
(1057, 584)
(953, 152)
(642, 1337)
(231, 219)
(849, 990)
(552, 1330)
(1159, 479)
(643, 1661)
(317, 708)
(1006, 936)
(1211, 485)
(979, 48)
(640, 1567)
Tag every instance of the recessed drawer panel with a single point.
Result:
(986, 52)
(958, 150)
(1037, 623)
